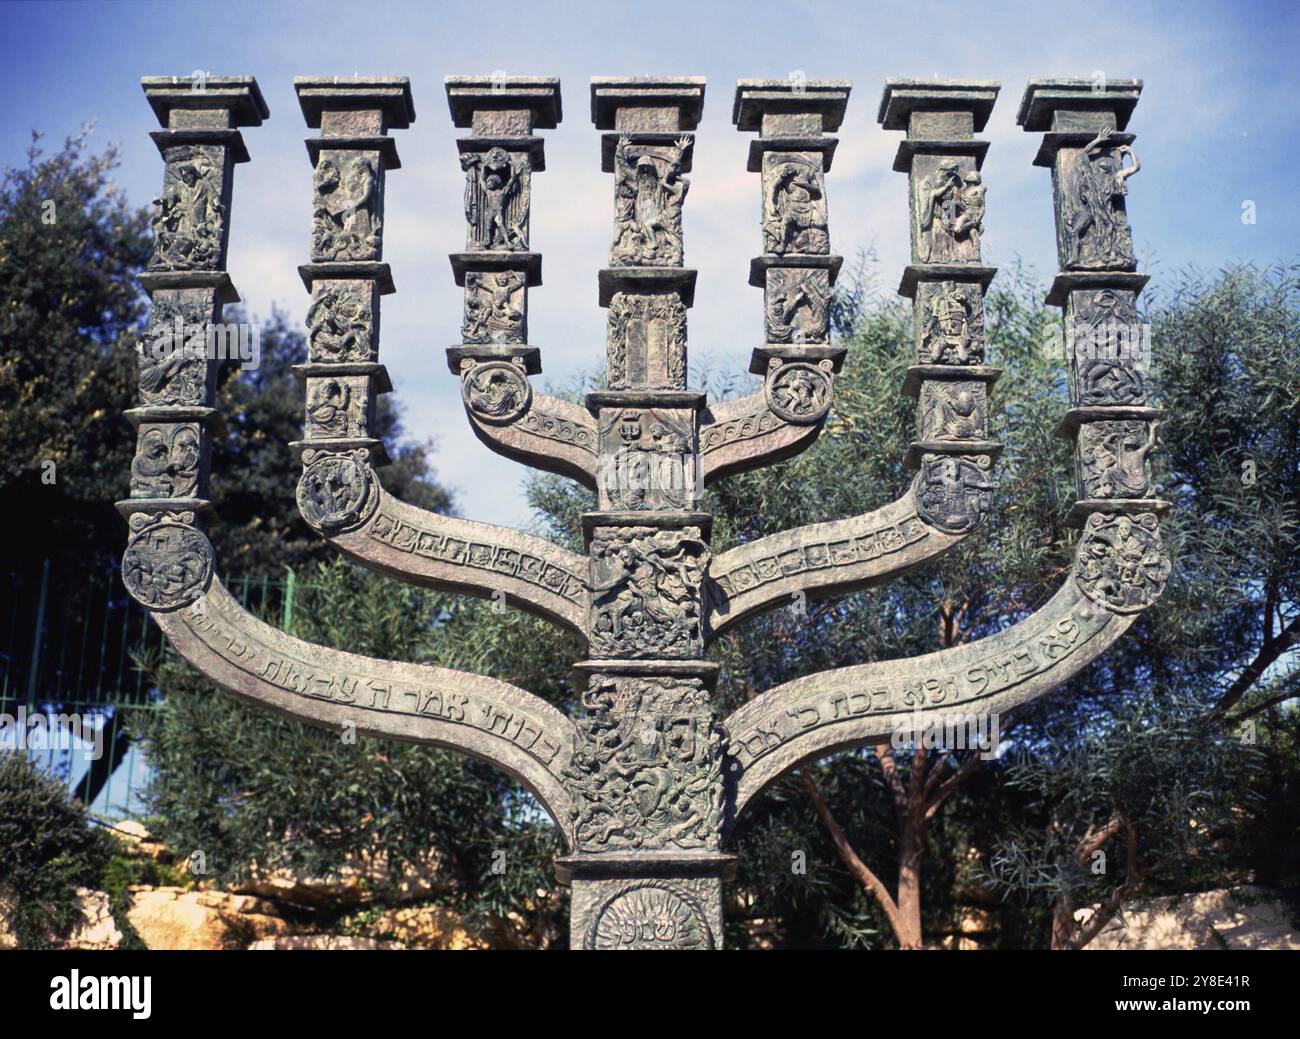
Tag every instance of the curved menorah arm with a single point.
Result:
(1119, 570)
(825, 559)
(773, 424)
(950, 494)
(1120, 566)
(168, 566)
(339, 494)
(492, 720)
(436, 551)
(540, 430)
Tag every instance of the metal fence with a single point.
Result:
(70, 660)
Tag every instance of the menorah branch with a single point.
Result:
(865, 704)
(492, 720)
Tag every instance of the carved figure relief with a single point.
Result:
(797, 305)
(799, 392)
(646, 592)
(496, 391)
(646, 341)
(336, 491)
(497, 188)
(953, 410)
(1121, 563)
(953, 492)
(495, 305)
(338, 407)
(794, 206)
(171, 359)
(649, 189)
(647, 460)
(1113, 458)
(1095, 221)
(949, 213)
(339, 323)
(1108, 363)
(346, 222)
(188, 227)
(168, 563)
(167, 460)
(952, 329)
(647, 767)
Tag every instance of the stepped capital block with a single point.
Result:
(355, 106)
(647, 104)
(1094, 105)
(504, 106)
(205, 102)
(793, 107)
(939, 109)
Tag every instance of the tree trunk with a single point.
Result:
(910, 852)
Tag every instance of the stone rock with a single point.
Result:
(355, 883)
(97, 930)
(173, 918)
(323, 941)
(1238, 918)
(426, 927)
(138, 842)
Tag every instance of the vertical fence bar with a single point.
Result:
(35, 665)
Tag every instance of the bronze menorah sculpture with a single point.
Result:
(645, 786)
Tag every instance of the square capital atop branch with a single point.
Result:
(904, 99)
(1075, 104)
(757, 99)
(537, 95)
(236, 97)
(647, 104)
(388, 95)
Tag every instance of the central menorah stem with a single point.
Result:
(647, 767)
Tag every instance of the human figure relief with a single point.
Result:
(338, 326)
(496, 200)
(648, 196)
(1096, 223)
(493, 307)
(328, 409)
(187, 226)
(950, 214)
(345, 220)
(794, 204)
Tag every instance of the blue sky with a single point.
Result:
(1216, 126)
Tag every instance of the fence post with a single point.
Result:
(36, 639)
(287, 620)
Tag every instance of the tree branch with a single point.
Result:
(860, 870)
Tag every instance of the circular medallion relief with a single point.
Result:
(167, 565)
(650, 915)
(1121, 564)
(336, 492)
(496, 391)
(799, 392)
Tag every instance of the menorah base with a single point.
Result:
(646, 900)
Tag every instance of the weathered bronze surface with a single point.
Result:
(645, 785)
